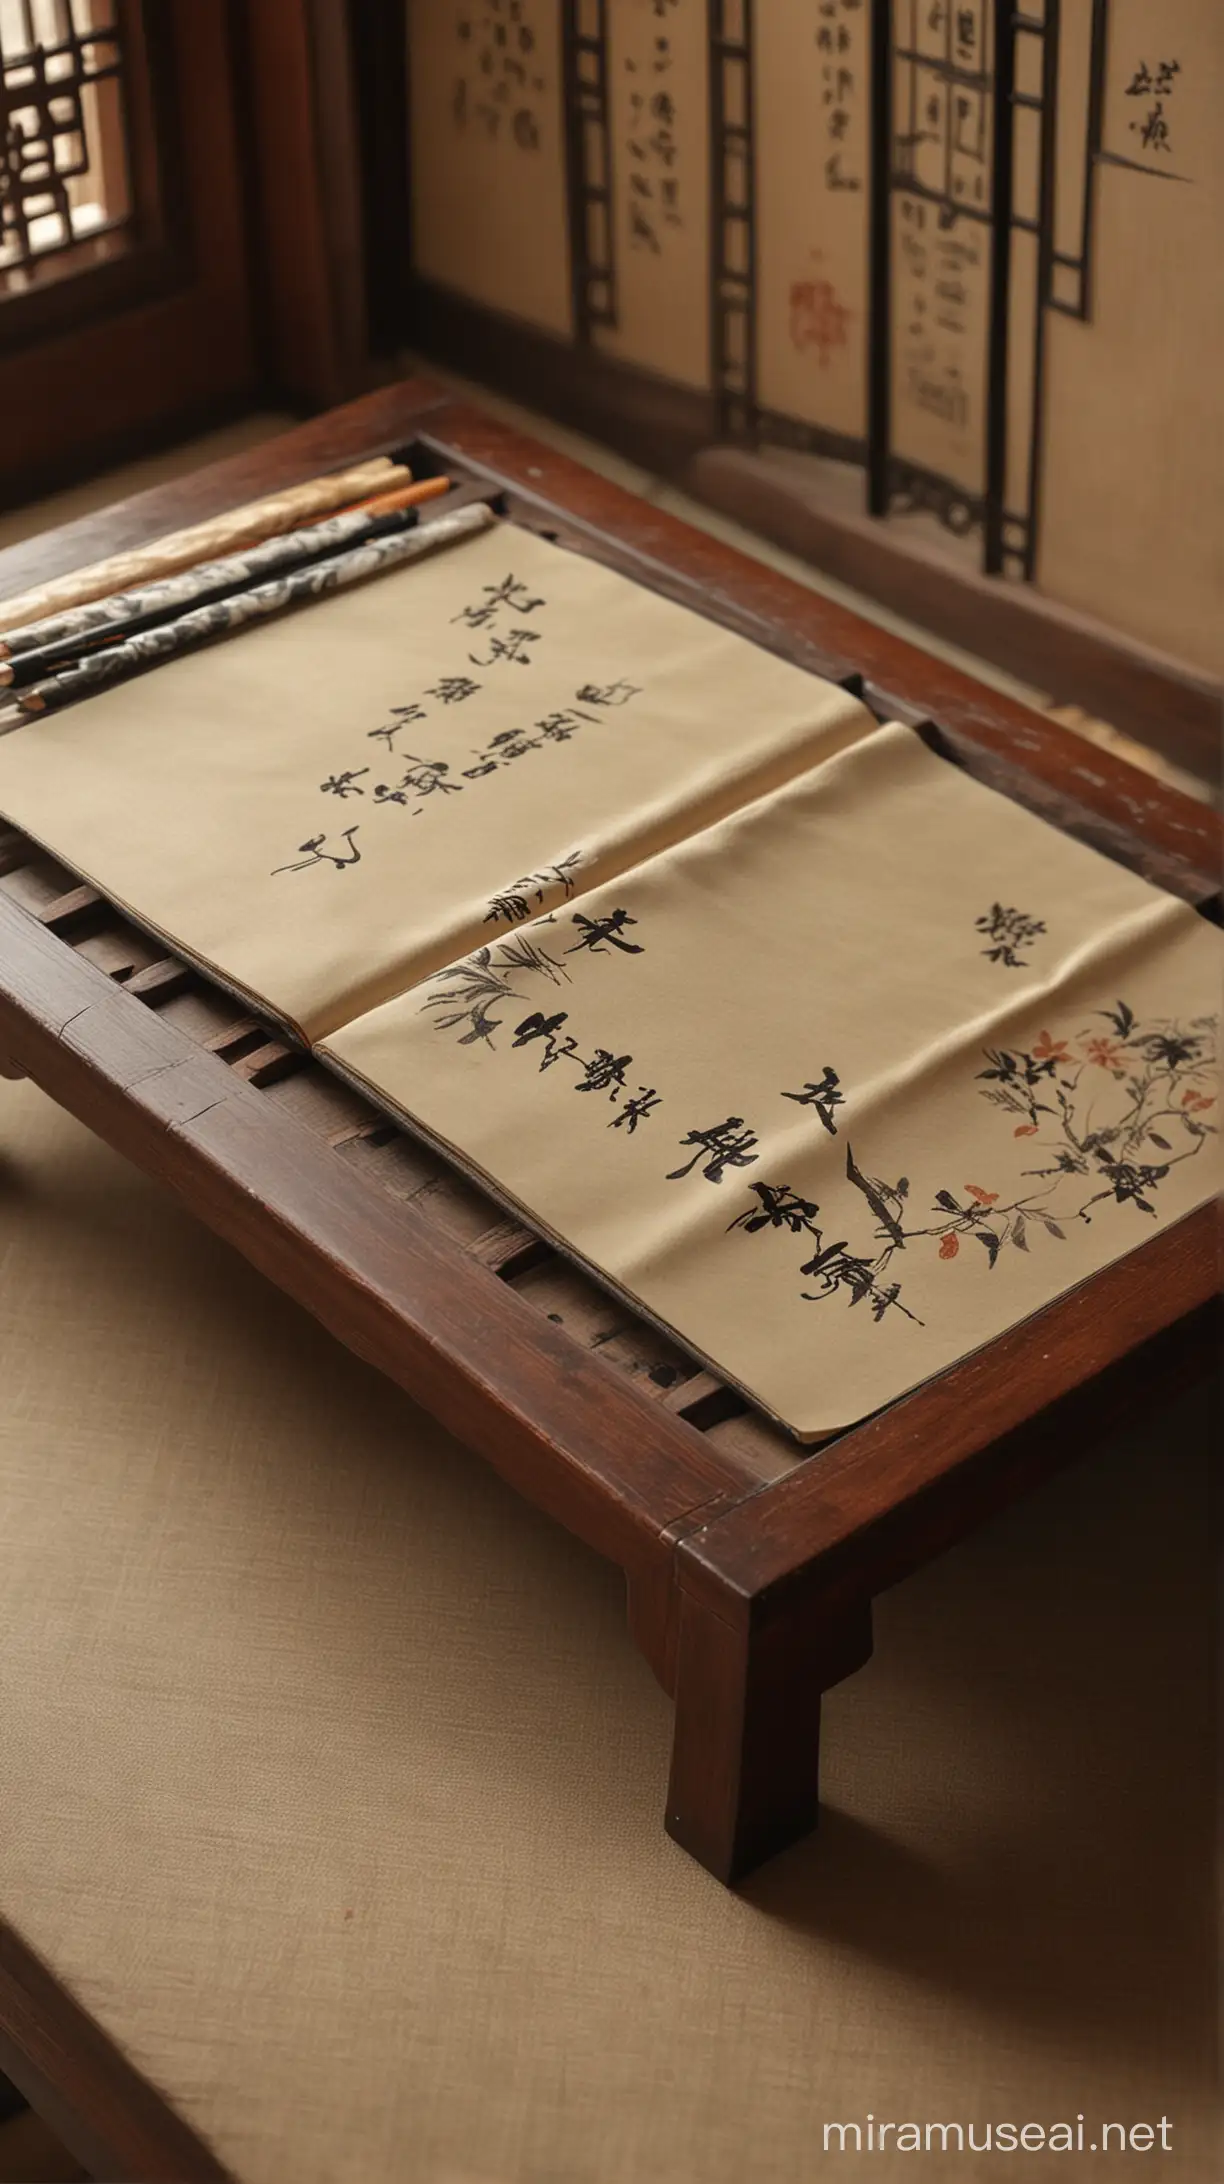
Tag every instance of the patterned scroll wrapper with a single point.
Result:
(194, 587)
(236, 527)
(147, 648)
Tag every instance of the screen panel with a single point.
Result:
(812, 65)
(487, 148)
(1133, 461)
(658, 60)
(943, 124)
(970, 245)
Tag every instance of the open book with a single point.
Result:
(834, 1062)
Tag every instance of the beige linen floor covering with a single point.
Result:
(331, 1785)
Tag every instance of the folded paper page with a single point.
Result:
(839, 1090)
(326, 809)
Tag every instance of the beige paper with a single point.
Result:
(1133, 457)
(841, 1090)
(812, 89)
(487, 148)
(221, 534)
(328, 808)
(659, 132)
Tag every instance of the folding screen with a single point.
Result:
(971, 247)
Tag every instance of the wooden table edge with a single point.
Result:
(831, 1524)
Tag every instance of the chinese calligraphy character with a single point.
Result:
(596, 930)
(513, 646)
(511, 592)
(401, 716)
(510, 743)
(638, 1109)
(511, 907)
(824, 1097)
(559, 727)
(1158, 85)
(1144, 84)
(617, 693)
(1154, 129)
(727, 1145)
(1010, 930)
(604, 1070)
(453, 689)
(539, 1026)
(837, 1268)
(425, 776)
(344, 784)
(313, 853)
(779, 1207)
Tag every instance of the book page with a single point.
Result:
(325, 809)
(841, 1089)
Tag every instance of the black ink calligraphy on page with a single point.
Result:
(815, 1094)
(326, 809)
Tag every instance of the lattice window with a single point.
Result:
(63, 166)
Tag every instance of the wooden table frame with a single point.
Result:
(750, 1568)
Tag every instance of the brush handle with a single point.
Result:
(150, 647)
(23, 619)
(124, 613)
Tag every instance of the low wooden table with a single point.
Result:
(750, 1566)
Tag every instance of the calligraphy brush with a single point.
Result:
(70, 602)
(128, 612)
(291, 587)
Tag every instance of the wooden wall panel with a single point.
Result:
(1133, 517)
(812, 119)
(659, 101)
(487, 150)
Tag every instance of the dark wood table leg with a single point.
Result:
(746, 1753)
(10, 1070)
